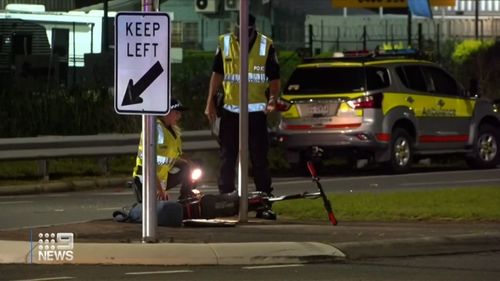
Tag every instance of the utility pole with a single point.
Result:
(149, 216)
(243, 130)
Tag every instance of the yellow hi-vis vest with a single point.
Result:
(168, 149)
(257, 80)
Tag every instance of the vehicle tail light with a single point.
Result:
(283, 105)
(371, 101)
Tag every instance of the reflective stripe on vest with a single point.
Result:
(252, 78)
(168, 149)
(253, 107)
(262, 47)
(227, 38)
(257, 79)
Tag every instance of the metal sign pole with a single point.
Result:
(149, 219)
(243, 133)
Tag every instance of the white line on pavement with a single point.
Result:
(406, 176)
(449, 182)
(272, 266)
(109, 208)
(158, 272)
(15, 202)
(47, 278)
(121, 193)
(57, 195)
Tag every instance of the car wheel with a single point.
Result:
(401, 149)
(485, 148)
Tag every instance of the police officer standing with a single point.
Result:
(263, 90)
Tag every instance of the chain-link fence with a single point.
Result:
(337, 33)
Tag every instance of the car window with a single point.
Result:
(325, 80)
(411, 76)
(440, 82)
(377, 78)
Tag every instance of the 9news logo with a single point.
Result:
(55, 246)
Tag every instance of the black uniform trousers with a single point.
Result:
(258, 144)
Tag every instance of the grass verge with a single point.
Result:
(460, 204)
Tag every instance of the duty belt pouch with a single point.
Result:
(219, 102)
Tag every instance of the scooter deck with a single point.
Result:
(209, 223)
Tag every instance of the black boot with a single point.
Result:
(266, 214)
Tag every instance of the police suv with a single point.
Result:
(391, 110)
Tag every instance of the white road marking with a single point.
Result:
(57, 195)
(271, 266)
(448, 182)
(15, 202)
(113, 193)
(48, 278)
(158, 272)
(109, 208)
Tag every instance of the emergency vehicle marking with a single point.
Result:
(439, 112)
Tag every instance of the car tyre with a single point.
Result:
(485, 154)
(401, 151)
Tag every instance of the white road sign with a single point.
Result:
(142, 63)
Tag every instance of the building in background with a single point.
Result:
(78, 36)
(381, 26)
(468, 7)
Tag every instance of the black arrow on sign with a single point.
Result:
(133, 92)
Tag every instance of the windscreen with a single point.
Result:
(325, 80)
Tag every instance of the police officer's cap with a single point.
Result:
(176, 104)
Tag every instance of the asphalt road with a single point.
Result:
(460, 267)
(69, 207)
(412, 181)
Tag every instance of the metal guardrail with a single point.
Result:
(102, 146)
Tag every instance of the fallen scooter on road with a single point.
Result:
(211, 206)
(207, 209)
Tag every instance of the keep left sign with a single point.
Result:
(142, 63)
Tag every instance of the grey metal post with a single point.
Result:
(476, 21)
(322, 37)
(364, 37)
(149, 219)
(438, 43)
(409, 28)
(74, 54)
(105, 39)
(337, 41)
(420, 37)
(311, 50)
(482, 29)
(243, 133)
